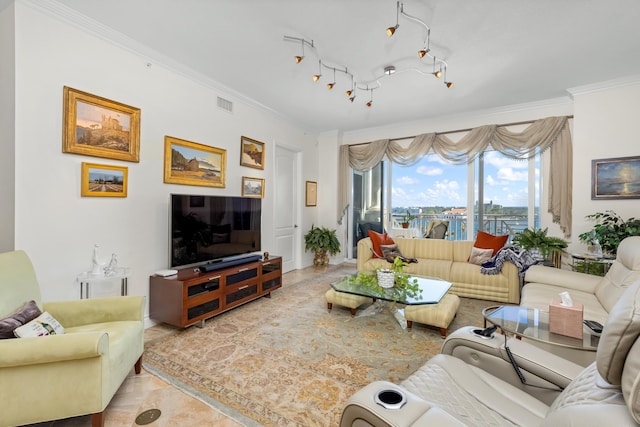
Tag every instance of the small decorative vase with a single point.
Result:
(386, 278)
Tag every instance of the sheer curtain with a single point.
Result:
(551, 132)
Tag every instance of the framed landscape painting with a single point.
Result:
(251, 153)
(99, 127)
(615, 178)
(191, 163)
(103, 180)
(252, 187)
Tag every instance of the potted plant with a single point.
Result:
(323, 242)
(609, 231)
(408, 217)
(537, 241)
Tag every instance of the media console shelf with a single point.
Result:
(191, 297)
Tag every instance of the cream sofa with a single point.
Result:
(75, 373)
(473, 383)
(597, 294)
(447, 260)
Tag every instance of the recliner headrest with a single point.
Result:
(629, 252)
(620, 333)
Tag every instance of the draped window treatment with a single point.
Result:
(549, 133)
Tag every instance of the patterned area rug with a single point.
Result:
(287, 361)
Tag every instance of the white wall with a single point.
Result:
(56, 226)
(7, 129)
(606, 126)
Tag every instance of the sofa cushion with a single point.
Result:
(378, 239)
(25, 314)
(41, 326)
(489, 241)
(614, 283)
(479, 256)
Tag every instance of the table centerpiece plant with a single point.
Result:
(404, 286)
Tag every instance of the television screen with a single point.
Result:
(211, 228)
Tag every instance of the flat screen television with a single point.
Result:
(208, 229)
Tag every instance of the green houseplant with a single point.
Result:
(610, 229)
(404, 285)
(323, 242)
(537, 240)
(407, 218)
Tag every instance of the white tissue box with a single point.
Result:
(566, 320)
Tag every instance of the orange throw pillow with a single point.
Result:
(378, 239)
(489, 241)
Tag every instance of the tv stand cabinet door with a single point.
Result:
(271, 275)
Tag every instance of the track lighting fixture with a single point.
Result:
(439, 65)
(316, 77)
(392, 30)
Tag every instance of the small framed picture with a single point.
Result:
(311, 198)
(99, 127)
(191, 163)
(103, 180)
(252, 187)
(615, 178)
(251, 153)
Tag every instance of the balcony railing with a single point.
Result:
(496, 224)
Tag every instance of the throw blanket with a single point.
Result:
(518, 256)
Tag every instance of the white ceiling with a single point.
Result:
(499, 52)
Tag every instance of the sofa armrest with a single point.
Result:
(562, 278)
(97, 310)
(53, 348)
(361, 410)
(364, 253)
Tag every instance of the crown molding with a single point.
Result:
(86, 24)
(605, 85)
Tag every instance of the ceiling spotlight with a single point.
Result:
(348, 93)
(438, 74)
(316, 77)
(422, 53)
(333, 83)
(449, 84)
(352, 98)
(389, 69)
(392, 30)
(299, 59)
(370, 103)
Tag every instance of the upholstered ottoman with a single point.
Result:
(346, 300)
(439, 315)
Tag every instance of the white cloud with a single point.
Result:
(497, 160)
(423, 170)
(507, 174)
(407, 180)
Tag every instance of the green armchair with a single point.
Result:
(76, 373)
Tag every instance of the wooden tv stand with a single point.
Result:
(191, 297)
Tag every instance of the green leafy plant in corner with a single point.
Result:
(610, 229)
(322, 241)
(529, 239)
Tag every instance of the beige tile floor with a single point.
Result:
(142, 392)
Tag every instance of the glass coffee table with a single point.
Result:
(432, 306)
(433, 290)
(534, 324)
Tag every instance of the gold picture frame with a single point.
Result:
(103, 180)
(99, 127)
(311, 193)
(191, 163)
(251, 153)
(252, 187)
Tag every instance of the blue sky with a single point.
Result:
(432, 182)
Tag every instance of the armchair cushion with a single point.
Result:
(41, 326)
(27, 313)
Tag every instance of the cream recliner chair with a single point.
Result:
(449, 391)
(77, 373)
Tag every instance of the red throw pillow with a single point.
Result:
(489, 241)
(378, 239)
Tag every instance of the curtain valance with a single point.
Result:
(551, 132)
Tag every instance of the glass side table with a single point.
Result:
(86, 279)
(585, 263)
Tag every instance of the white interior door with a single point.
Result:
(286, 208)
